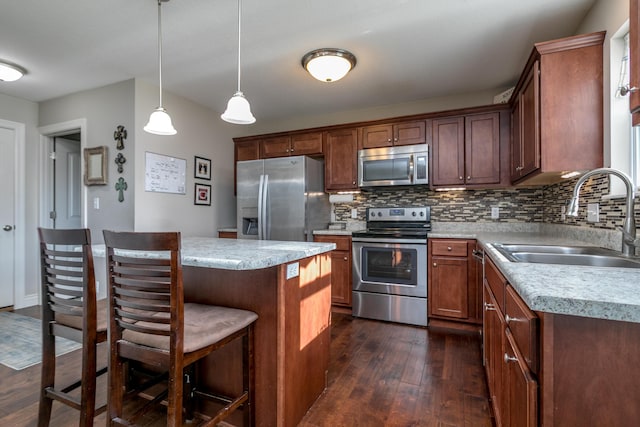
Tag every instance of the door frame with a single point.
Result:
(19, 207)
(47, 133)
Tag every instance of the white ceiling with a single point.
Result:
(407, 50)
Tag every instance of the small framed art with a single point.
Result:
(202, 168)
(202, 195)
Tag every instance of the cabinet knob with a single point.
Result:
(346, 259)
(460, 177)
(435, 264)
(395, 139)
(388, 139)
(468, 176)
(449, 248)
(508, 358)
(354, 183)
(292, 150)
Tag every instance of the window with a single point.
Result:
(625, 139)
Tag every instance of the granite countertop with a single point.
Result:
(598, 292)
(232, 254)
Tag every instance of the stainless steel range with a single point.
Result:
(390, 265)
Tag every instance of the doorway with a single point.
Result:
(66, 177)
(12, 211)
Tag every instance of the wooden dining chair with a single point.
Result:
(151, 325)
(70, 310)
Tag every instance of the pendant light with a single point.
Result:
(159, 120)
(238, 110)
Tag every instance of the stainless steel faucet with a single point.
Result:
(629, 241)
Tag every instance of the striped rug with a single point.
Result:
(21, 341)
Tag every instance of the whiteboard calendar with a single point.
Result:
(165, 174)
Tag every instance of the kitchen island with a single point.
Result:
(288, 285)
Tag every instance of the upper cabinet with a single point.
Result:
(247, 150)
(340, 160)
(388, 135)
(470, 150)
(557, 116)
(309, 144)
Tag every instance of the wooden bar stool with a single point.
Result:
(150, 324)
(70, 310)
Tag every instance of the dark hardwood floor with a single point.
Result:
(380, 374)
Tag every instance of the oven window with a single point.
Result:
(383, 170)
(390, 265)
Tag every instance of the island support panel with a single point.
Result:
(292, 333)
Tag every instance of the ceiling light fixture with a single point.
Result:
(329, 64)
(159, 120)
(238, 109)
(10, 72)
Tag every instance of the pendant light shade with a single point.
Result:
(159, 120)
(10, 72)
(328, 65)
(238, 109)
(160, 123)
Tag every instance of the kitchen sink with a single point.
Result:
(568, 255)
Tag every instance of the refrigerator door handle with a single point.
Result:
(266, 230)
(260, 208)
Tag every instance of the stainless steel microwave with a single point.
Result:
(400, 165)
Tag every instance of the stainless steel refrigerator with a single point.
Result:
(281, 198)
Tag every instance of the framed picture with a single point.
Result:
(202, 168)
(202, 195)
(95, 165)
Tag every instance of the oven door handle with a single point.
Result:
(478, 254)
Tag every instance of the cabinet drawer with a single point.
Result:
(449, 247)
(343, 243)
(523, 323)
(496, 281)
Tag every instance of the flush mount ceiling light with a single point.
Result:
(159, 120)
(238, 109)
(10, 72)
(328, 64)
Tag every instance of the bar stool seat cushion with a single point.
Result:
(203, 325)
(102, 316)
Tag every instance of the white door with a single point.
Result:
(67, 183)
(7, 213)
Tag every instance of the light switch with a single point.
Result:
(354, 213)
(96, 203)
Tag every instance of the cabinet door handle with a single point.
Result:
(489, 307)
(508, 358)
(508, 319)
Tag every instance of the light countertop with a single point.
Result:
(598, 292)
(232, 254)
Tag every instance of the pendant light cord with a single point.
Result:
(239, 33)
(160, 50)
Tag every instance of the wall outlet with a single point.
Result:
(495, 212)
(593, 212)
(354, 213)
(563, 213)
(96, 203)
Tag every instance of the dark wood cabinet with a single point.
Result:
(341, 277)
(558, 110)
(247, 150)
(492, 334)
(227, 235)
(307, 144)
(520, 387)
(388, 135)
(340, 160)
(453, 289)
(469, 150)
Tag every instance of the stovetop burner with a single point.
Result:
(400, 223)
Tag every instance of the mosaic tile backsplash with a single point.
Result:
(535, 205)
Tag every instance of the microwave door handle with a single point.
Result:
(411, 169)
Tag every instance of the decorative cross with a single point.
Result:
(121, 186)
(120, 160)
(120, 135)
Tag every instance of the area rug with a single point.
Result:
(21, 341)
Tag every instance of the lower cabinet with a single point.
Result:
(341, 277)
(510, 339)
(453, 287)
(227, 235)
